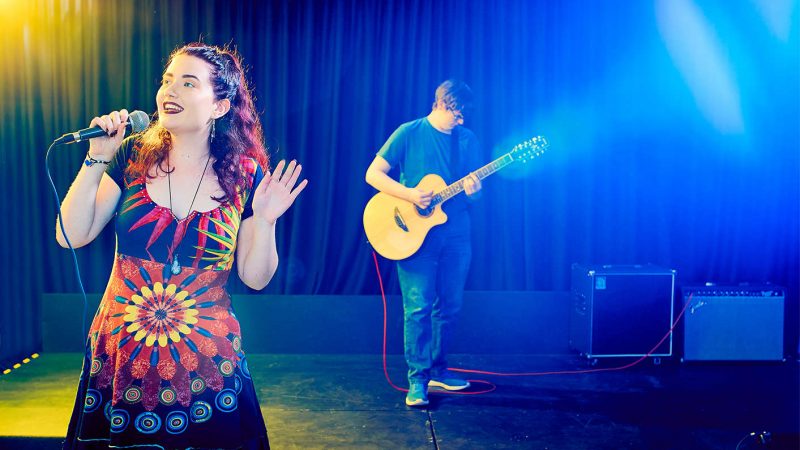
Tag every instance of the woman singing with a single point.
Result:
(164, 366)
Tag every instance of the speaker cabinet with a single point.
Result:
(621, 310)
(733, 323)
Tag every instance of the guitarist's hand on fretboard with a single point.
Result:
(472, 184)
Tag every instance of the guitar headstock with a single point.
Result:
(527, 150)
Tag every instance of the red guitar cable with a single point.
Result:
(513, 374)
(386, 371)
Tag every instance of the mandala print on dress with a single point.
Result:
(172, 336)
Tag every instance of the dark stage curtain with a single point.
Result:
(637, 171)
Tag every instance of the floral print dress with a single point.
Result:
(164, 366)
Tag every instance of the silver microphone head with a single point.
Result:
(139, 121)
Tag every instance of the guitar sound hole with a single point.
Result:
(424, 212)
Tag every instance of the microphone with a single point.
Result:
(137, 122)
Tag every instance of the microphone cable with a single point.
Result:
(72, 249)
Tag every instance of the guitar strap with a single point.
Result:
(455, 155)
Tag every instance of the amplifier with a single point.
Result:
(734, 323)
(621, 310)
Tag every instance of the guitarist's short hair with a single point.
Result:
(454, 94)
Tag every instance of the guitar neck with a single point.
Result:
(458, 186)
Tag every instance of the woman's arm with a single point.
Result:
(93, 196)
(256, 252)
(89, 205)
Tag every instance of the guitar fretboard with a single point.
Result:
(481, 173)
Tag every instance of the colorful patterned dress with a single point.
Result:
(164, 365)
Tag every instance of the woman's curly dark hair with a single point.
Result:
(238, 134)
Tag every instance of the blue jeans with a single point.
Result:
(432, 281)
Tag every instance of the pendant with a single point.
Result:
(176, 267)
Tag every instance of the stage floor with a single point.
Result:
(344, 401)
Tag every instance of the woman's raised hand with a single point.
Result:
(277, 191)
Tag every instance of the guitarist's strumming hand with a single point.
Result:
(472, 184)
(419, 197)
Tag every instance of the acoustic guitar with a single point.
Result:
(396, 228)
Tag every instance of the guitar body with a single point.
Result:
(395, 227)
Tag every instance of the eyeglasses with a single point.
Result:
(460, 111)
(457, 110)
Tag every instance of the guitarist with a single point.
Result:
(432, 280)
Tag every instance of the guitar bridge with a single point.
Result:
(398, 219)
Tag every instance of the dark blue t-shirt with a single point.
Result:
(417, 149)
